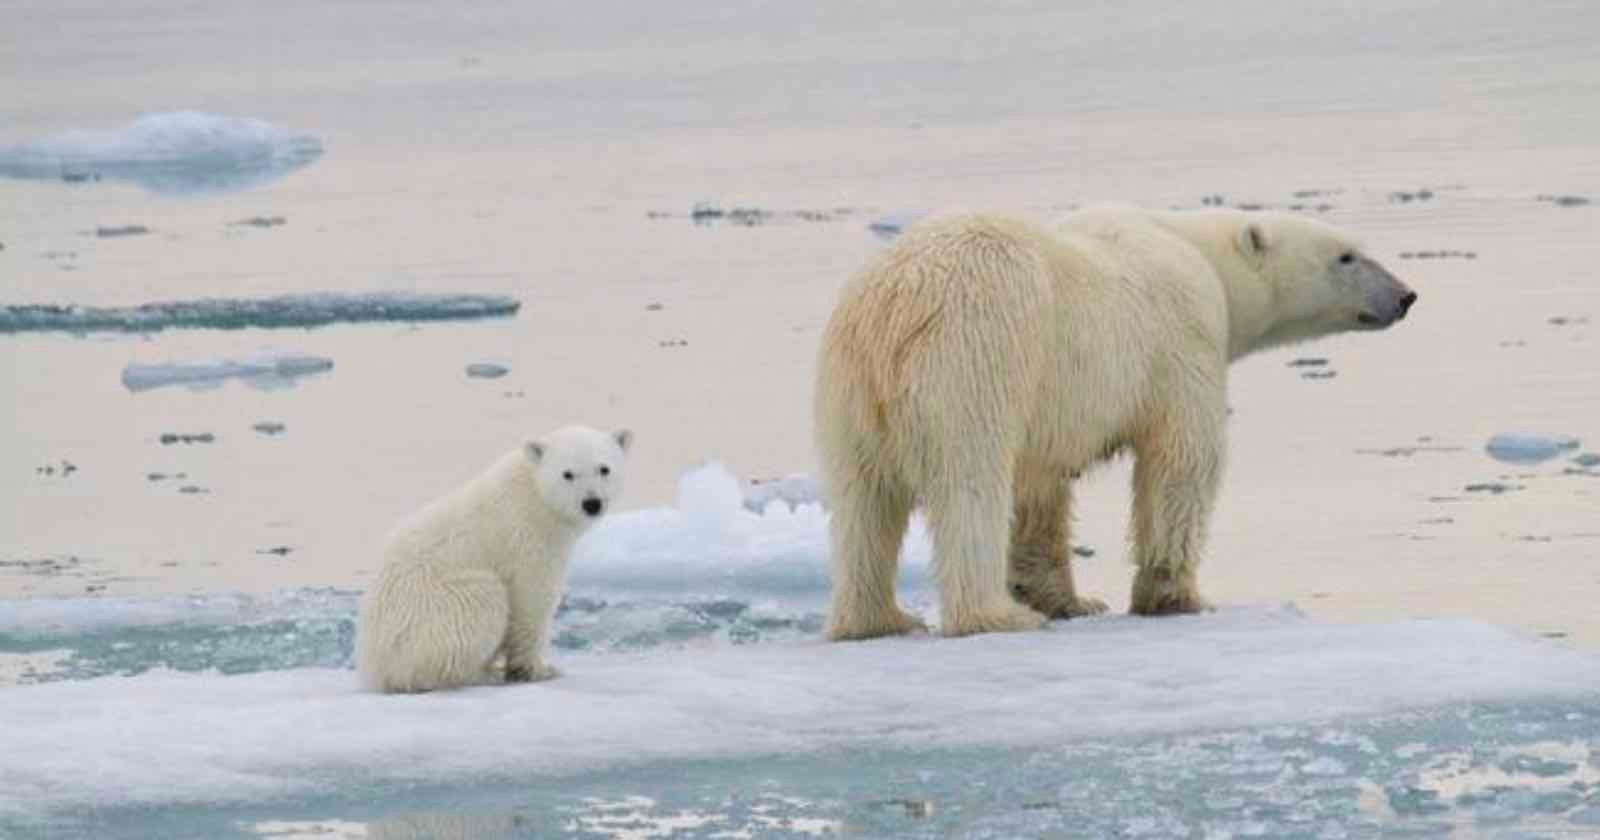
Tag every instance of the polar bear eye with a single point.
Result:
(1347, 257)
(605, 470)
(568, 475)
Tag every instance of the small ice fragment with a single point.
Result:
(892, 225)
(487, 370)
(176, 153)
(792, 490)
(264, 371)
(1528, 448)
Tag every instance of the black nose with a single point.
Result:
(1405, 303)
(592, 506)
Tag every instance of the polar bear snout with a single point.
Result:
(1386, 298)
(593, 506)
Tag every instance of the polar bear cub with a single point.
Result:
(477, 575)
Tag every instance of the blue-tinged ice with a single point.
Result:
(1513, 448)
(266, 371)
(181, 153)
(791, 491)
(297, 310)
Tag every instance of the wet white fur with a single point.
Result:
(478, 574)
(982, 362)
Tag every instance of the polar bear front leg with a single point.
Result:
(1175, 481)
(1040, 562)
(533, 610)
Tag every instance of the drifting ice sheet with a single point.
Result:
(301, 310)
(179, 153)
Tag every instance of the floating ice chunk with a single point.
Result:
(1528, 449)
(301, 310)
(268, 370)
(709, 542)
(178, 153)
(792, 490)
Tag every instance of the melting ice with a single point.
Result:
(179, 153)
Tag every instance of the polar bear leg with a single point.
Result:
(1176, 474)
(443, 634)
(869, 523)
(969, 513)
(1040, 562)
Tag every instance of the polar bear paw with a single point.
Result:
(895, 622)
(1166, 597)
(1003, 616)
(531, 673)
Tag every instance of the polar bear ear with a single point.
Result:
(1253, 240)
(623, 437)
(534, 450)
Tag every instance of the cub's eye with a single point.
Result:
(605, 470)
(1347, 257)
(568, 475)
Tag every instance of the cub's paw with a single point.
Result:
(531, 673)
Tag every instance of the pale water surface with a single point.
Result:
(556, 153)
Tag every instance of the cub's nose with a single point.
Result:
(593, 506)
(1405, 303)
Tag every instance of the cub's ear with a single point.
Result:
(1253, 240)
(623, 437)
(534, 450)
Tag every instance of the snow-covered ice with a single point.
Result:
(175, 153)
(168, 738)
(266, 370)
(295, 310)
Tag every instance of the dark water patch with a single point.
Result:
(260, 222)
(1493, 488)
(270, 428)
(1406, 197)
(283, 311)
(486, 370)
(1566, 320)
(1308, 361)
(64, 468)
(1438, 255)
(1564, 200)
(118, 231)
(170, 438)
(706, 214)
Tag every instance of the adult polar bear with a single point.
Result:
(983, 362)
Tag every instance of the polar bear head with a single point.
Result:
(578, 470)
(1314, 280)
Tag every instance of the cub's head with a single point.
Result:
(579, 470)
(1320, 280)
